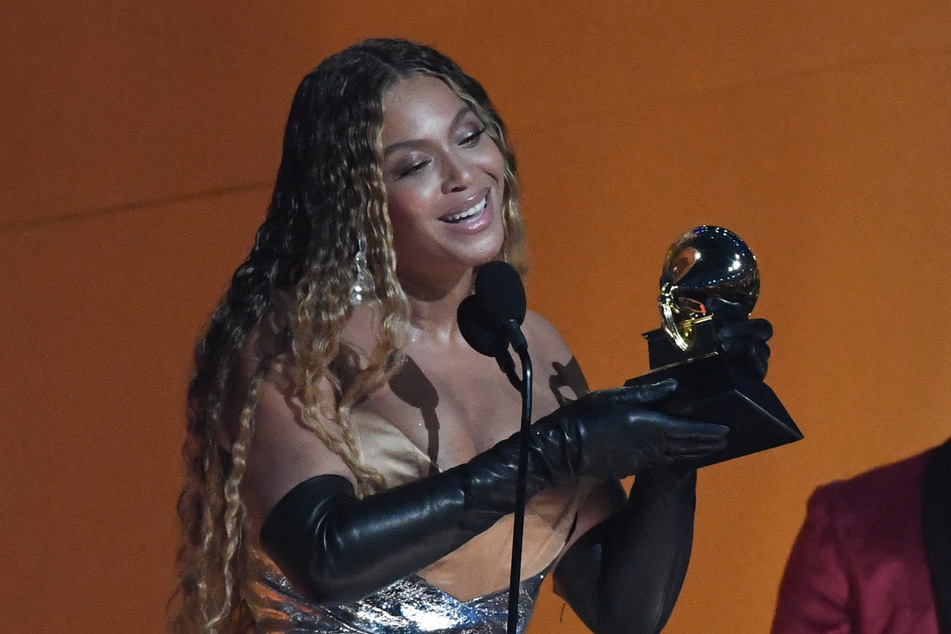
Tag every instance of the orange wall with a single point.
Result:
(138, 141)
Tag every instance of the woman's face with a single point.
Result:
(444, 179)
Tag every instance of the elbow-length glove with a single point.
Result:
(335, 547)
(624, 575)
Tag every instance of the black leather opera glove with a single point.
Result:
(624, 575)
(336, 548)
(742, 338)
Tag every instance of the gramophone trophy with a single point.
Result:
(709, 262)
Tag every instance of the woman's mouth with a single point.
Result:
(469, 214)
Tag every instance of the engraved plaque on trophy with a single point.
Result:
(709, 262)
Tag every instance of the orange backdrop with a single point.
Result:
(138, 142)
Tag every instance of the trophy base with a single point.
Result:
(711, 390)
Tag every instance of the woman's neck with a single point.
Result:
(434, 308)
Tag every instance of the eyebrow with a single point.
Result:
(463, 112)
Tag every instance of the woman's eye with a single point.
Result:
(473, 138)
(412, 168)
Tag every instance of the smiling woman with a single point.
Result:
(351, 461)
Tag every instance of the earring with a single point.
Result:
(363, 283)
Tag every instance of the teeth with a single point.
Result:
(468, 213)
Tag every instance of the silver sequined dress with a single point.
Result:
(409, 606)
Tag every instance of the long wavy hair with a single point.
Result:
(294, 289)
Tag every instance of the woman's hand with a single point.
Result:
(618, 434)
(742, 338)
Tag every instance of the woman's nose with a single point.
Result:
(457, 173)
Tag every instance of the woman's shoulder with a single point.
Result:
(540, 331)
(552, 354)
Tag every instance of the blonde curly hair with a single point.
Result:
(294, 287)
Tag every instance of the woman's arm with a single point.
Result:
(336, 547)
(625, 574)
(626, 560)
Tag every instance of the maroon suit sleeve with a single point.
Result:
(814, 593)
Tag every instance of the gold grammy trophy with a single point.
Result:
(709, 262)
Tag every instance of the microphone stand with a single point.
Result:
(521, 347)
(489, 321)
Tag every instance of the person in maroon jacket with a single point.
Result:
(874, 554)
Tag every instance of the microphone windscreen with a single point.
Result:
(500, 293)
(475, 328)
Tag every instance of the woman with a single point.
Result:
(351, 460)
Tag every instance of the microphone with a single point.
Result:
(490, 320)
(477, 330)
(498, 306)
(480, 336)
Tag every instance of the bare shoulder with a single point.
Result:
(545, 336)
(284, 449)
(552, 358)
